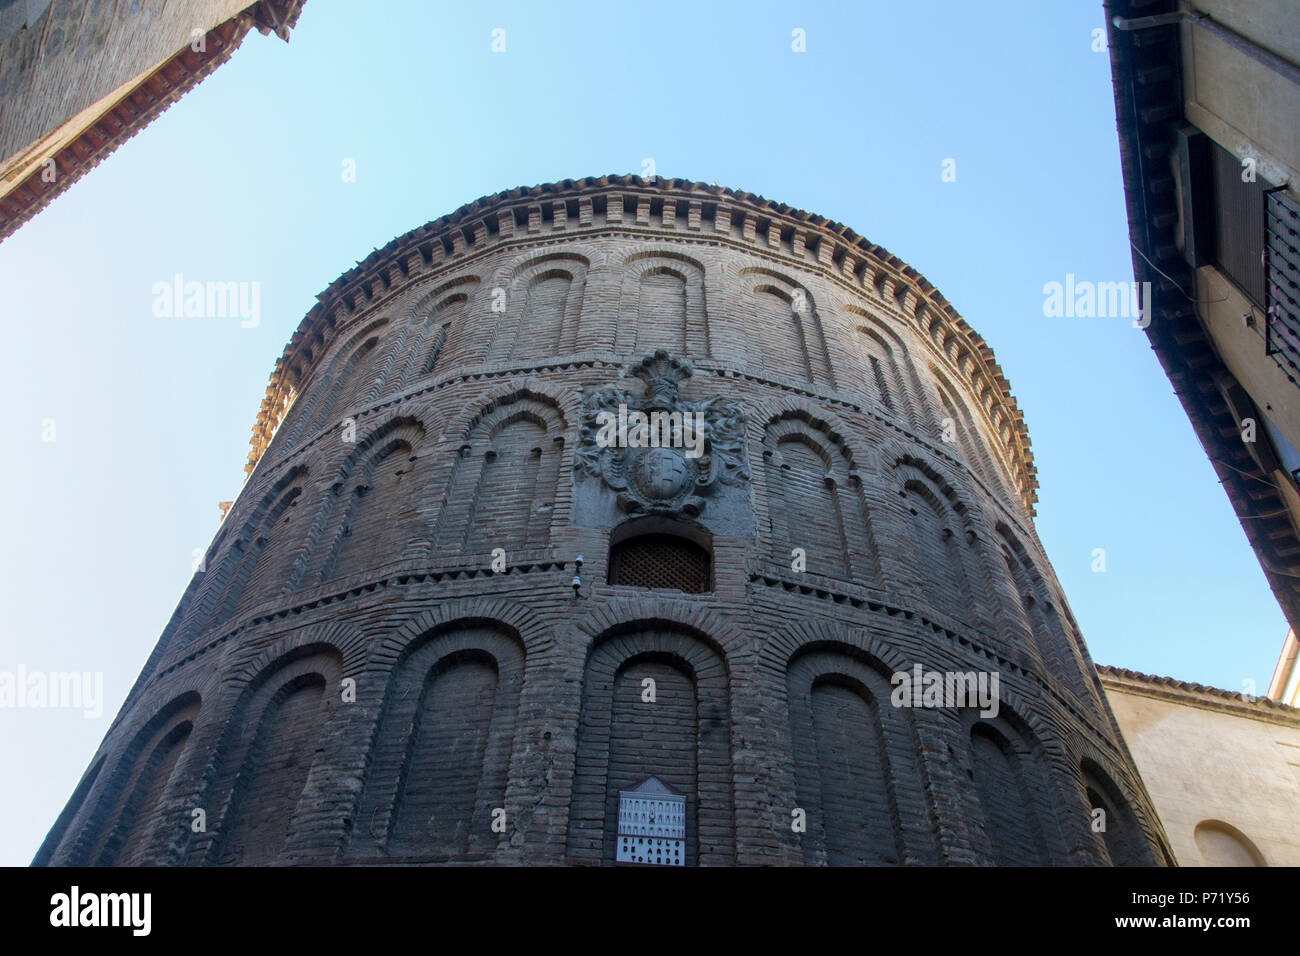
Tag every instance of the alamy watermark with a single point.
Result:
(1084, 299)
(656, 429)
(131, 911)
(179, 299)
(53, 690)
(922, 688)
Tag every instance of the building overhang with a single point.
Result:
(31, 180)
(1146, 72)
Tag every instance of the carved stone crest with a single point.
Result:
(659, 454)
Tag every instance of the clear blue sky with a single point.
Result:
(240, 181)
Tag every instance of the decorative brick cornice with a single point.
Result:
(822, 245)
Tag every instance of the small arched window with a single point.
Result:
(654, 556)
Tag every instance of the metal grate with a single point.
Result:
(1282, 281)
(1239, 225)
(661, 561)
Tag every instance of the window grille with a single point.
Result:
(1282, 280)
(661, 561)
(1238, 225)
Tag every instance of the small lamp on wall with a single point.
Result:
(577, 580)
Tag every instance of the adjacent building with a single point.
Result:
(1207, 101)
(1284, 687)
(1223, 768)
(78, 79)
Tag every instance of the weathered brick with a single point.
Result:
(852, 533)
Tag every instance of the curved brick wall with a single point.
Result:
(350, 679)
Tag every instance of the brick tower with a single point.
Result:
(623, 521)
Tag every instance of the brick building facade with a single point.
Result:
(386, 657)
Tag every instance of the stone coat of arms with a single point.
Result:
(659, 454)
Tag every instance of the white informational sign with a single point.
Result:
(651, 826)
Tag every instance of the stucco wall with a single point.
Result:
(1207, 759)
